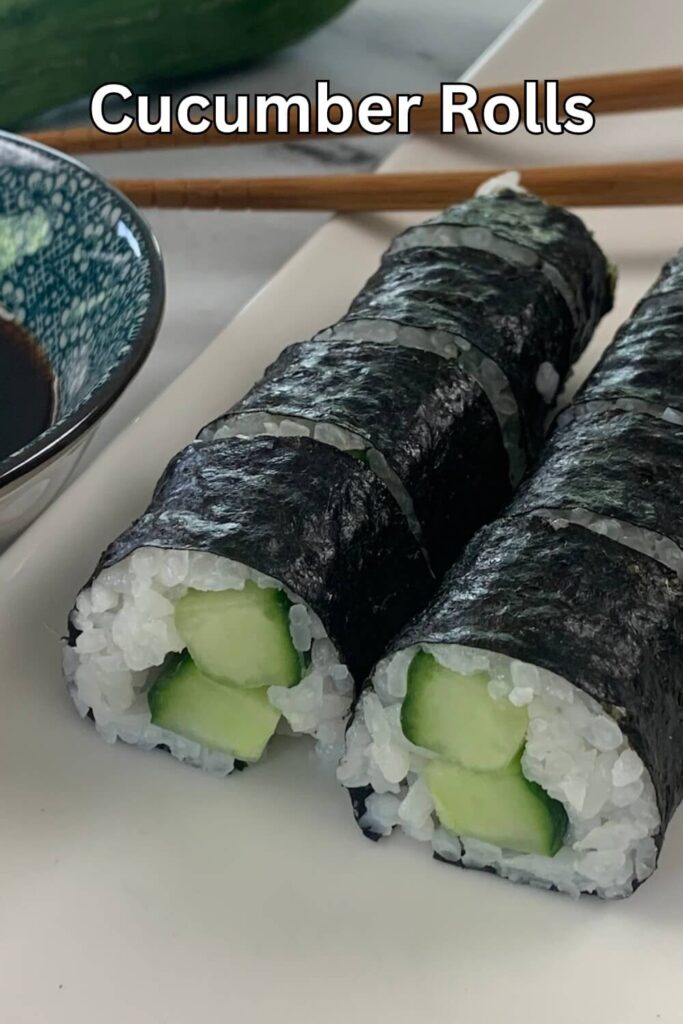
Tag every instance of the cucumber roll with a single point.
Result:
(420, 423)
(528, 722)
(521, 228)
(501, 316)
(642, 371)
(266, 575)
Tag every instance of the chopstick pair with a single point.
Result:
(653, 183)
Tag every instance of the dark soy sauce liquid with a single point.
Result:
(26, 388)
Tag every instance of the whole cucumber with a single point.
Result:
(54, 51)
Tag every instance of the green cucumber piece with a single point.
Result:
(233, 719)
(73, 46)
(502, 808)
(455, 716)
(240, 637)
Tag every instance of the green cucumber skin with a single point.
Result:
(558, 817)
(55, 51)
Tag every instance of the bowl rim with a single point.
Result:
(56, 439)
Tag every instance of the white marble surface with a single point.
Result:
(216, 262)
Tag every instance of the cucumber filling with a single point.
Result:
(236, 720)
(499, 807)
(240, 637)
(454, 715)
(242, 632)
(477, 784)
(216, 692)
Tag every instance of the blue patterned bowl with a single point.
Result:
(82, 272)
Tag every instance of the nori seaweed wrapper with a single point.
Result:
(667, 291)
(605, 617)
(549, 234)
(312, 517)
(616, 464)
(510, 313)
(428, 418)
(645, 360)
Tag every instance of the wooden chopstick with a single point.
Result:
(613, 93)
(630, 184)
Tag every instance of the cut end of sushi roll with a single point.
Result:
(519, 771)
(204, 656)
(245, 563)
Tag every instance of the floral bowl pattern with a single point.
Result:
(81, 271)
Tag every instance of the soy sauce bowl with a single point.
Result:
(81, 273)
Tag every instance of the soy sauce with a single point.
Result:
(27, 391)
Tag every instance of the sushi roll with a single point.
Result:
(418, 421)
(520, 228)
(642, 371)
(529, 722)
(266, 575)
(501, 317)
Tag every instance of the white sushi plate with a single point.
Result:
(133, 889)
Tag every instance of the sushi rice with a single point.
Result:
(125, 620)
(574, 750)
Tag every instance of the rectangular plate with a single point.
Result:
(133, 889)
